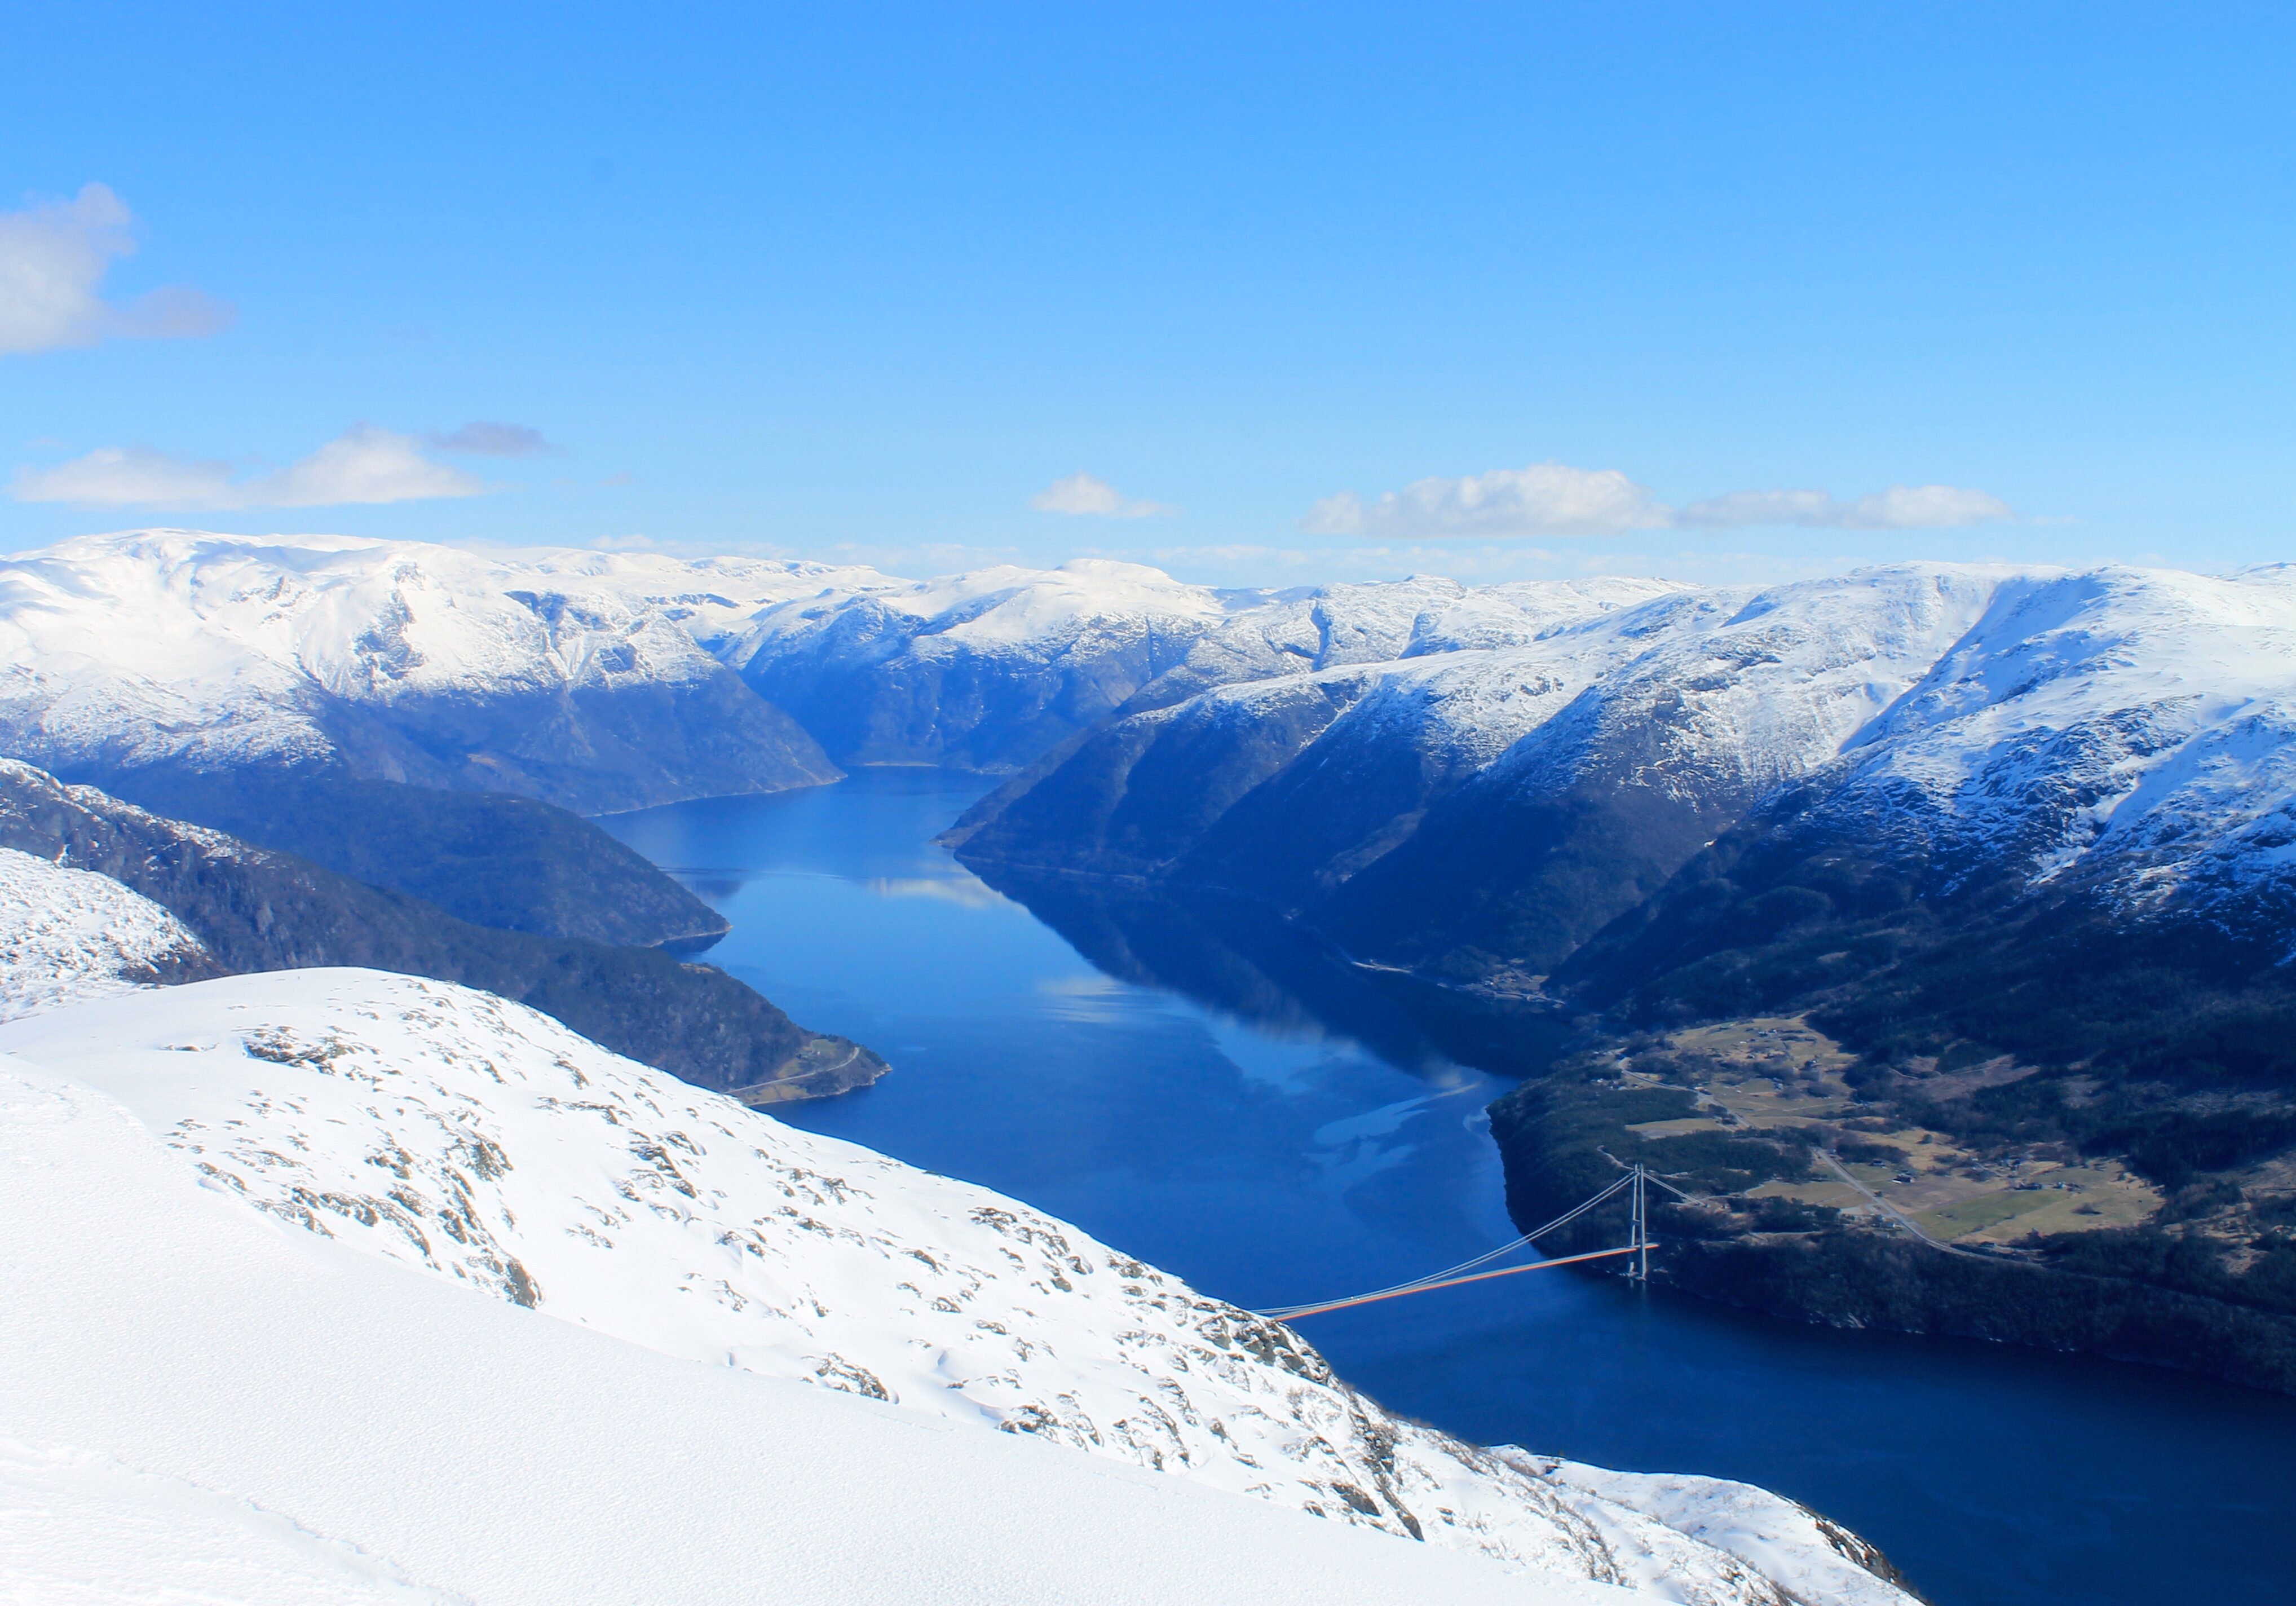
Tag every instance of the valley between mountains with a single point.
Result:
(1931, 928)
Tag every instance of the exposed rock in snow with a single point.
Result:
(66, 935)
(202, 1404)
(449, 1131)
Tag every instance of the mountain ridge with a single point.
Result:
(255, 910)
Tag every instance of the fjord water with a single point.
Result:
(1257, 1151)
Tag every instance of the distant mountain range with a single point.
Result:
(2017, 845)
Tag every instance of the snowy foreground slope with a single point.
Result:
(201, 1408)
(796, 1321)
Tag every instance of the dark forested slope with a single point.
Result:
(253, 909)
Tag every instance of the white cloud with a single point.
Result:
(1900, 507)
(1544, 499)
(1084, 494)
(484, 439)
(1556, 499)
(363, 464)
(127, 477)
(54, 255)
(1925, 507)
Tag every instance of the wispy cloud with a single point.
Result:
(1084, 494)
(1556, 499)
(1900, 507)
(1544, 499)
(481, 440)
(363, 464)
(54, 255)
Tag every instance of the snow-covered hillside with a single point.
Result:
(604, 681)
(202, 1405)
(2129, 726)
(66, 935)
(992, 668)
(984, 670)
(2133, 727)
(485, 1145)
(576, 676)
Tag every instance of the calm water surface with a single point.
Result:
(1267, 1157)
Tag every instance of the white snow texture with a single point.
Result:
(70, 935)
(316, 1420)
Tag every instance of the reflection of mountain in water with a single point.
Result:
(1244, 958)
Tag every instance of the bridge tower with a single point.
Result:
(1638, 1269)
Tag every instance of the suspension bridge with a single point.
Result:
(1635, 1182)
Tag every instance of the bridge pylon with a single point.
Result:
(1638, 1268)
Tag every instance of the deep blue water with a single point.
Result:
(1267, 1158)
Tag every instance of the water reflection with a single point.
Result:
(1246, 961)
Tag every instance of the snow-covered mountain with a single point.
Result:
(1488, 810)
(478, 1143)
(993, 668)
(578, 677)
(604, 682)
(1393, 755)
(983, 671)
(2133, 729)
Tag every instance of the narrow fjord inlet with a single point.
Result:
(1269, 1158)
(1400, 805)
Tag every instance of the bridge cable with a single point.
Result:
(1452, 1276)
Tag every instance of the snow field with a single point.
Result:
(204, 1408)
(483, 1144)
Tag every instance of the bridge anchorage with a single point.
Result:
(1635, 1182)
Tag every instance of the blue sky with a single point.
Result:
(868, 281)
